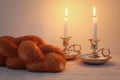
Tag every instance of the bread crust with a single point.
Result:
(29, 52)
(51, 48)
(8, 48)
(39, 41)
(53, 63)
(15, 63)
(2, 60)
(32, 53)
(11, 38)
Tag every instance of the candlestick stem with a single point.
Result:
(65, 42)
(94, 47)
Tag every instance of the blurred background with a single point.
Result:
(45, 18)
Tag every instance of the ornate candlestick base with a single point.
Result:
(72, 51)
(98, 56)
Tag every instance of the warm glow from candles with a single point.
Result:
(94, 11)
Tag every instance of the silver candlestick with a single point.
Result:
(65, 43)
(98, 56)
(71, 51)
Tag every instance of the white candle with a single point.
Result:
(94, 24)
(65, 23)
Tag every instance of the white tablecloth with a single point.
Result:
(75, 70)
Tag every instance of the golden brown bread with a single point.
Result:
(29, 52)
(11, 38)
(51, 48)
(52, 63)
(8, 48)
(2, 60)
(15, 63)
(33, 38)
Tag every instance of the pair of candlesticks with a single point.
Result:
(97, 56)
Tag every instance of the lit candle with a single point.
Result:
(65, 23)
(94, 24)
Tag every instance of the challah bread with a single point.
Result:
(52, 58)
(2, 60)
(51, 48)
(32, 53)
(8, 48)
(33, 38)
(53, 62)
(29, 52)
(15, 63)
(11, 38)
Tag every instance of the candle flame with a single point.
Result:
(94, 11)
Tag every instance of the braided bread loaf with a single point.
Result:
(32, 53)
(6, 43)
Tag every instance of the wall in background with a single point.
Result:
(45, 18)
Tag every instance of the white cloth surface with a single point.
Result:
(75, 70)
